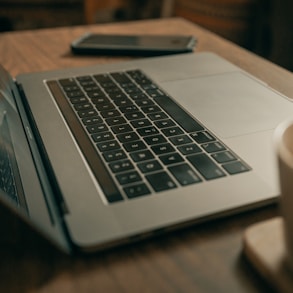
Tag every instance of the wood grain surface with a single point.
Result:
(264, 245)
(204, 258)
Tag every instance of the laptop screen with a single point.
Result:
(10, 181)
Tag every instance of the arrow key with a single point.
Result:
(171, 158)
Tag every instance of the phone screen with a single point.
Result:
(133, 44)
(136, 41)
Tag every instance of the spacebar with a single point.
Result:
(178, 114)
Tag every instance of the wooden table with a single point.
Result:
(203, 258)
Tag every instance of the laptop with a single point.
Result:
(109, 154)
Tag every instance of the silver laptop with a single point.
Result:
(104, 155)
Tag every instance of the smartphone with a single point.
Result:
(132, 45)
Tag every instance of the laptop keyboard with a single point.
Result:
(136, 138)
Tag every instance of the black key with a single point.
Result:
(149, 166)
(142, 155)
(100, 100)
(68, 82)
(87, 83)
(165, 123)
(134, 115)
(161, 181)
(121, 78)
(137, 190)
(83, 106)
(202, 137)
(104, 136)
(127, 137)
(157, 116)
(140, 123)
(172, 131)
(91, 88)
(112, 89)
(129, 109)
(184, 174)
(155, 139)
(213, 147)
(150, 109)
(235, 167)
(134, 146)
(123, 102)
(121, 128)
(117, 95)
(132, 90)
(121, 166)
(98, 96)
(170, 159)
(114, 155)
(163, 148)
(114, 196)
(105, 107)
(108, 146)
(96, 128)
(144, 102)
(151, 130)
(178, 114)
(110, 113)
(87, 113)
(179, 140)
(128, 177)
(78, 100)
(92, 120)
(75, 94)
(224, 157)
(128, 85)
(206, 166)
(115, 121)
(189, 149)
(150, 86)
(139, 77)
(138, 96)
(84, 78)
(154, 92)
(103, 78)
(71, 88)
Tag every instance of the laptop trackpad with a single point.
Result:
(231, 104)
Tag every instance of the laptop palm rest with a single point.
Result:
(231, 104)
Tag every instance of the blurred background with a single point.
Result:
(264, 27)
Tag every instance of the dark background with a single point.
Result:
(262, 26)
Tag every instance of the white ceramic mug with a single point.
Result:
(284, 147)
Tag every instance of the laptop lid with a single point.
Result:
(24, 185)
(235, 107)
